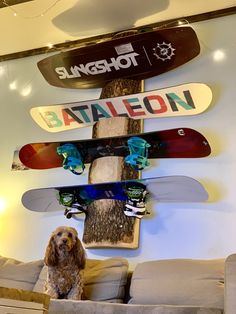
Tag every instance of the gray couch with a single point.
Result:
(174, 286)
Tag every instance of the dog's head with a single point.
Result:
(64, 241)
(65, 238)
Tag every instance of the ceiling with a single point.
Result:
(4, 3)
(38, 23)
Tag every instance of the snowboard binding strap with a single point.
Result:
(138, 157)
(136, 204)
(72, 206)
(72, 158)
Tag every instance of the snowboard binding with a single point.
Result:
(73, 207)
(138, 157)
(72, 158)
(136, 204)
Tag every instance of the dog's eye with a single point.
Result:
(70, 235)
(59, 234)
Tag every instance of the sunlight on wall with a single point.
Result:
(2, 71)
(3, 205)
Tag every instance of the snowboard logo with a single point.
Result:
(181, 132)
(164, 51)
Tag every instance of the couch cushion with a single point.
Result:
(104, 279)
(88, 307)
(40, 283)
(230, 284)
(179, 282)
(22, 300)
(19, 275)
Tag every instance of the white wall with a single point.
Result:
(199, 230)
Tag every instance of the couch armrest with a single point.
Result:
(230, 285)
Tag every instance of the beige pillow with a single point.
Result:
(19, 275)
(179, 282)
(40, 283)
(105, 280)
(21, 301)
(3, 260)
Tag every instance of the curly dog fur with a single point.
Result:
(65, 258)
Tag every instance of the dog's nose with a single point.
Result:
(64, 241)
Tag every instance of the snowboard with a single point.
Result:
(138, 56)
(161, 189)
(181, 100)
(172, 143)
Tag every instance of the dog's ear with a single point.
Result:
(79, 254)
(51, 255)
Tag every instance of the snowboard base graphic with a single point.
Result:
(181, 100)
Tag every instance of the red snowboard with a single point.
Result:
(173, 143)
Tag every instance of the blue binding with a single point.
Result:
(138, 157)
(72, 158)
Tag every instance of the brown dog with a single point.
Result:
(65, 258)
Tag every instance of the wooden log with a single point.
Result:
(106, 225)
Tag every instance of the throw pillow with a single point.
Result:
(19, 275)
(179, 282)
(105, 280)
(21, 301)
